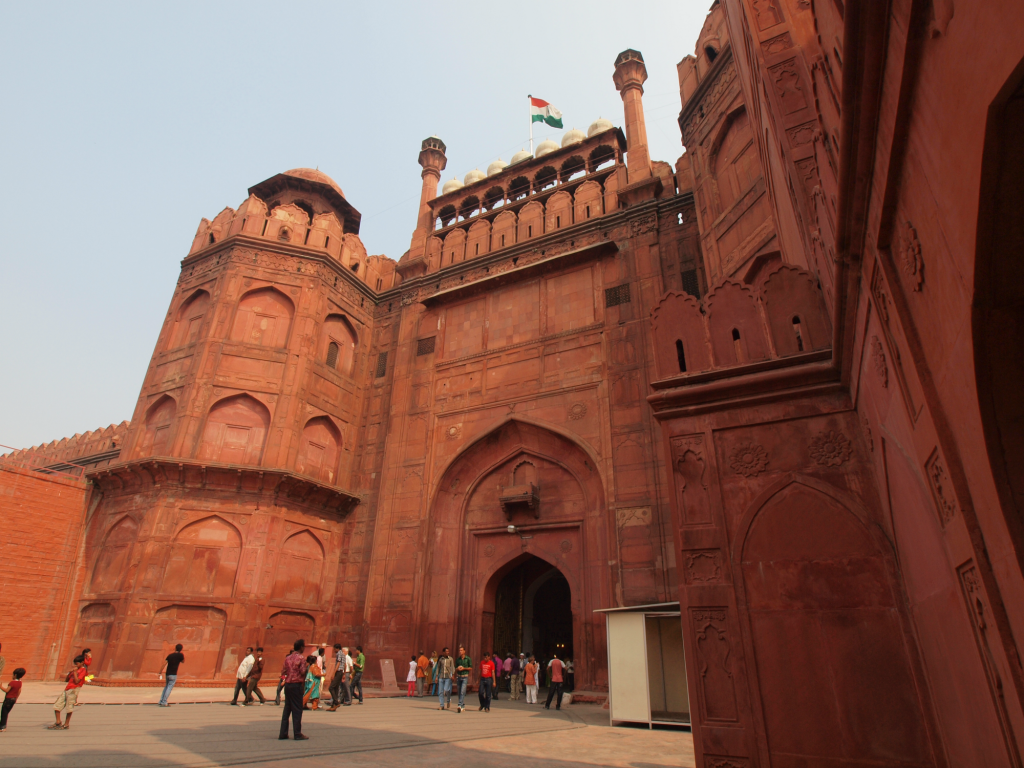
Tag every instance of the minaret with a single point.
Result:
(629, 77)
(433, 161)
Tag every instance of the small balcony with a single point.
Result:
(519, 498)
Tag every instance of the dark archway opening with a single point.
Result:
(533, 612)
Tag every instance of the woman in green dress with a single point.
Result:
(311, 694)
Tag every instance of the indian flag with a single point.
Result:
(542, 112)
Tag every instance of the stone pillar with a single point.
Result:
(433, 161)
(629, 77)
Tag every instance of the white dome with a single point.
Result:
(545, 147)
(450, 186)
(599, 126)
(497, 166)
(519, 156)
(573, 137)
(474, 176)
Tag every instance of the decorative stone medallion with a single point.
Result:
(749, 460)
(878, 361)
(489, 550)
(454, 432)
(566, 546)
(910, 258)
(830, 449)
(577, 411)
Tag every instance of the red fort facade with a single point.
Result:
(777, 382)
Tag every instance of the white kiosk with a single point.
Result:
(646, 665)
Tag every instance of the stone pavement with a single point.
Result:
(383, 732)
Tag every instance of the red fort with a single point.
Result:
(777, 382)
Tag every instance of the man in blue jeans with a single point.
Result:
(463, 665)
(445, 673)
(172, 662)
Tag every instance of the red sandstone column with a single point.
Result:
(629, 77)
(433, 160)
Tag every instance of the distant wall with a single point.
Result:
(41, 520)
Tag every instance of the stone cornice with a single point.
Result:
(280, 484)
(745, 385)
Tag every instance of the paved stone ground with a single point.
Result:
(383, 732)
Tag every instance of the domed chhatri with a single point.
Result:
(546, 146)
(450, 186)
(496, 167)
(573, 137)
(312, 174)
(474, 176)
(520, 156)
(599, 126)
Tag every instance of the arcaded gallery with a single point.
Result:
(768, 392)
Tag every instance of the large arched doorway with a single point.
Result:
(555, 557)
(530, 610)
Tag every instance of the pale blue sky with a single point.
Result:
(124, 124)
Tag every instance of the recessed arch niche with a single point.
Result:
(188, 322)
(113, 558)
(235, 431)
(299, 568)
(319, 450)
(155, 439)
(203, 559)
(263, 317)
(337, 330)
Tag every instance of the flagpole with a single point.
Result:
(529, 100)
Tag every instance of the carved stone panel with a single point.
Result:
(716, 685)
(690, 471)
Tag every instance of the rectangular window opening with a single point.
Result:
(382, 365)
(425, 346)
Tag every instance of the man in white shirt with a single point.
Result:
(243, 672)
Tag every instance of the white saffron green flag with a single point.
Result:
(542, 112)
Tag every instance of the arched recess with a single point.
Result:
(283, 629)
(339, 331)
(795, 311)
(320, 450)
(998, 306)
(155, 439)
(203, 560)
(680, 342)
(263, 317)
(459, 562)
(95, 622)
(114, 556)
(826, 628)
(199, 628)
(734, 325)
(299, 568)
(235, 431)
(188, 323)
(734, 161)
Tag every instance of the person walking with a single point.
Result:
(506, 673)
(463, 666)
(293, 674)
(241, 674)
(445, 675)
(252, 681)
(171, 664)
(497, 675)
(339, 673)
(555, 667)
(432, 673)
(314, 677)
(410, 676)
(421, 673)
(280, 689)
(570, 675)
(486, 678)
(346, 680)
(12, 690)
(530, 675)
(68, 697)
(358, 663)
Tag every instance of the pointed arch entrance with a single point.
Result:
(560, 543)
(527, 608)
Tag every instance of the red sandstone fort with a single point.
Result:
(778, 382)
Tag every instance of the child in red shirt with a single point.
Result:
(13, 690)
(68, 697)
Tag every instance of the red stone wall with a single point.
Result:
(40, 557)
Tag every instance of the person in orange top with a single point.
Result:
(531, 680)
(421, 673)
